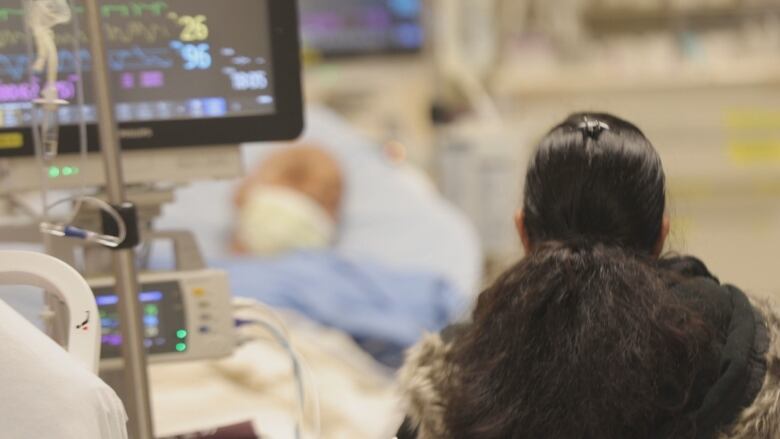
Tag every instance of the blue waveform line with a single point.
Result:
(68, 60)
(136, 58)
(17, 66)
(140, 58)
(14, 66)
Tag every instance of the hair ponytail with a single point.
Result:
(595, 176)
(578, 340)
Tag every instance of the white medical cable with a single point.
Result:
(18, 204)
(42, 16)
(36, 134)
(305, 385)
(80, 101)
(315, 398)
(65, 229)
(246, 304)
(296, 366)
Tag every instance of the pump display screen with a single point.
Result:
(163, 316)
(168, 59)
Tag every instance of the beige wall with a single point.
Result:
(721, 149)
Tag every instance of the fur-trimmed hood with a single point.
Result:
(422, 379)
(761, 420)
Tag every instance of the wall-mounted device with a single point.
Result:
(186, 316)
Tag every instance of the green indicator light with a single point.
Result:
(151, 310)
(75, 170)
(181, 333)
(54, 172)
(181, 347)
(67, 171)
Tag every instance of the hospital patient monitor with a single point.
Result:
(191, 79)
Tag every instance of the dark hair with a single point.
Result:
(603, 185)
(584, 337)
(579, 342)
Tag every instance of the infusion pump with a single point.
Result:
(187, 315)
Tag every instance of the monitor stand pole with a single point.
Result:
(133, 353)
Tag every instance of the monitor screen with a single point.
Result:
(356, 27)
(169, 61)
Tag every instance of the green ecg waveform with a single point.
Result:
(129, 9)
(134, 31)
(7, 13)
(10, 38)
(126, 33)
(135, 9)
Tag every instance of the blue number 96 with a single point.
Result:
(195, 56)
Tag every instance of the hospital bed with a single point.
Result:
(48, 392)
(392, 217)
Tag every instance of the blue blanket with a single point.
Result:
(384, 310)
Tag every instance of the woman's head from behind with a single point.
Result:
(595, 178)
(583, 338)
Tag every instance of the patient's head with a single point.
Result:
(595, 177)
(307, 169)
(291, 201)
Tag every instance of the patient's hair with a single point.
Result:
(606, 187)
(583, 338)
(305, 168)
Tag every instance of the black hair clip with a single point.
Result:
(593, 128)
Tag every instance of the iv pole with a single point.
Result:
(133, 354)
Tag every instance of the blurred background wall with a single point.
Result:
(465, 87)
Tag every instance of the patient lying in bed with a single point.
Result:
(291, 202)
(288, 211)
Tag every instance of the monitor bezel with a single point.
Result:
(285, 123)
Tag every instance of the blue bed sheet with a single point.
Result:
(384, 310)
